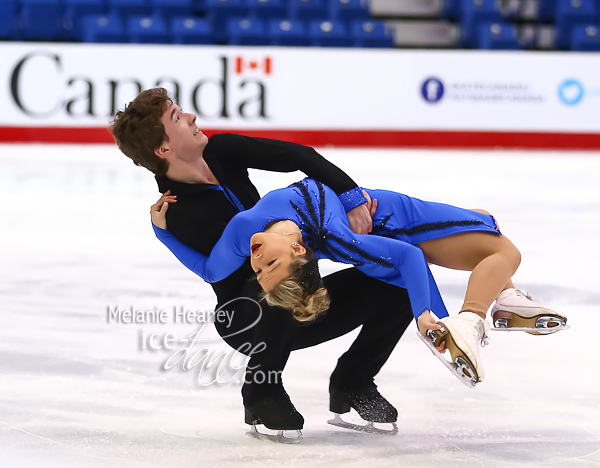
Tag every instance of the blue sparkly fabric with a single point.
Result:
(412, 220)
(352, 198)
(392, 255)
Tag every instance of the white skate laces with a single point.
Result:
(485, 339)
(521, 293)
(481, 329)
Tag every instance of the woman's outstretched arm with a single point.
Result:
(225, 258)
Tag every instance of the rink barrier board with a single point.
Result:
(316, 96)
(339, 138)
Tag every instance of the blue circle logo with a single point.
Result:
(432, 90)
(570, 92)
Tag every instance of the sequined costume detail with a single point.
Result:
(322, 240)
(352, 198)
(422, 228)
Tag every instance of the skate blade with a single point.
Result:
(533, 331)
(538, 325)
(279, 438)
(368, 428)
(462, 369)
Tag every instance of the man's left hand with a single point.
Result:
(360, 219)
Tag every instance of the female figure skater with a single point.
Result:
(289, 229)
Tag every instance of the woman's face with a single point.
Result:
(271, 256)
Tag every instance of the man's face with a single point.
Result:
(186, 142)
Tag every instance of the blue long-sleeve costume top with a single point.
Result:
(322, 219)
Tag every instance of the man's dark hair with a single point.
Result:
(138, 130)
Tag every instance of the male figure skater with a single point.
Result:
(210, 179)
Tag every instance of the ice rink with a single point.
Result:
(78, 390)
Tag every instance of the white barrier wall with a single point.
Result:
(325, 91)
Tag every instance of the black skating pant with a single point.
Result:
(383, 311)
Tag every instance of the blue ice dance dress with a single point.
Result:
(390, 253)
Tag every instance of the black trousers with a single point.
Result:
(383, 311)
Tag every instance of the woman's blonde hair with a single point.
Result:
(302, 292)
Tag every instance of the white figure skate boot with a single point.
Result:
(462, 334)
(515, 311)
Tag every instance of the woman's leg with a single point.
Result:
(491, 258)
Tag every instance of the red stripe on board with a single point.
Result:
(363, 138)
(55, 135)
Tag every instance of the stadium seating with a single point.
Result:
(244, 31)
(586, 38)
(199, 6)
(220, 11)
(329, 34)
(126, 8)
(450, 9)
(347, 10)
(308, 9)
(168, 9)
(497, 36)
(547, 11)
(40, 20)
(187, 30)
(371, 34)
(267, 8)
(148, 29)
(474, 13)
(288, 33)
(8, 10)
(75, 10)
(570, 13)
(485, 24)
(107, 28)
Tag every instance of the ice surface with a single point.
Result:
(77, 391)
